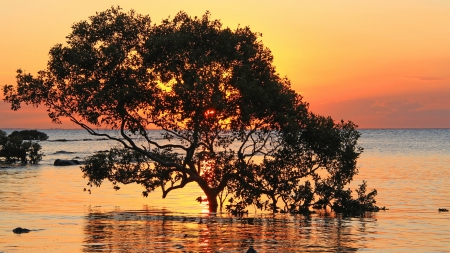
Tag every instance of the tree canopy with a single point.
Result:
(228, 121)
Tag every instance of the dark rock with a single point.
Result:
(179, 246)
(20, 230)
(251, 250)
(63, 152)
(443, 210)
(59, 162)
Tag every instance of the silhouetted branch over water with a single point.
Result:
(229, 122)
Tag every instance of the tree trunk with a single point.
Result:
(274, 204)
(211, 195)
(212, 201)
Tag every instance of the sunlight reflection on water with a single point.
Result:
(410, 169)
(147, 232)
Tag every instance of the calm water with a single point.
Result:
(409, 168)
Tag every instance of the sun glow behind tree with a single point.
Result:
(217, 99)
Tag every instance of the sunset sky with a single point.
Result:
(380, 64)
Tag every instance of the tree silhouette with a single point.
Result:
(228, 120)
(13, 148)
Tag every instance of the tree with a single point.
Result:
(212, 91)
(13, 148)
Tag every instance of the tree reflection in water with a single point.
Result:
(161, 231)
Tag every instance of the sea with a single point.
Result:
(410, 168)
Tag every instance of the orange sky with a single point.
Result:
(381, 64)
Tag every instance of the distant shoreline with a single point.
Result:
(365, 128)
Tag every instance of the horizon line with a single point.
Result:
(362, 128)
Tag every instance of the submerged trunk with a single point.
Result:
(274, 204)
(211, 195)
(212, 202)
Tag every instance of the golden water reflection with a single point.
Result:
(412, 183)
(153, 231)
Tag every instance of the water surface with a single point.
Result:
(409, 168)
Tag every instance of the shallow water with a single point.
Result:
(409, 168)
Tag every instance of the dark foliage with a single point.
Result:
(14, 149)
(30, 135)
(345, 203)
(229, 122)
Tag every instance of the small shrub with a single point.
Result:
(14, 149)
(30, 135)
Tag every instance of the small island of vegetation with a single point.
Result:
(18, 147)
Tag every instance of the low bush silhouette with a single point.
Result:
(30, 135)
(15, 148)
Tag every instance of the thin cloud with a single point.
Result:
(387, 112)
(428, 78)
(396, 106)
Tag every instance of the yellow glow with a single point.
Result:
(210, 112)
(344, 57)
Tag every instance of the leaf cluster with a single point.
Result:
(308, 172)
